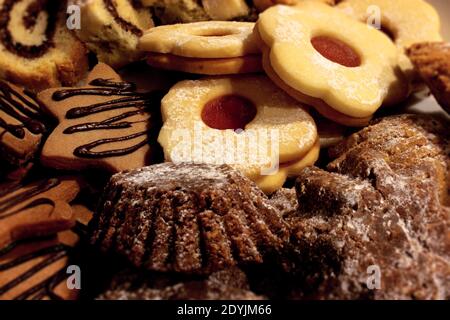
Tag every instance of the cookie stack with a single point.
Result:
(264, 167)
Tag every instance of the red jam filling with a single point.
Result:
(336, 51)
(228, 112)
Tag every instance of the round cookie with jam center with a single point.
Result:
(211, 47)
(246, 122)
(345, 76)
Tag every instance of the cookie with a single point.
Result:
(225, 10)
(36, 209)
(112, 29)
(36, 48)
(405, 21)
(432, 61)
(22, 124)
(376, 227)
(228, 284)
(246, 122)
(38, 269)
(187, 218)
(105, 124)
(262, 5)
(345, 76)
(211, 47)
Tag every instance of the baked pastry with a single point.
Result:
(186, 11)
(176, 11)
(211, 47)
(104, 124)
(38, 268)
(245, 122)
(36, 209)
(432, 61)
(345, 76)
(262, 5)
(405, 21)
(228, 284)
(22, 124)
(226, 10)
(112, 29)
(376, 227)
(36, 48)
(188, 218)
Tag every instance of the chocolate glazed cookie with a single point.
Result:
(22, 124)
(37, 49)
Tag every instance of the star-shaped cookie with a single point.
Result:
(106, 124)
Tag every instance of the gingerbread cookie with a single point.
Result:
(432, 61)
(105, 124)
(187, 218)
(36, 48)
(212, 47)
(22, 124)
(405, 21)
(36, 209)
(112, 29)
(38, 269)
(345, 76)
(246, 122)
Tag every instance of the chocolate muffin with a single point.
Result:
(188, 218)
(377, 226)
(228, 284)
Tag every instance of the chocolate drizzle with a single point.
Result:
(29, 20)
(129, 99)
(51, 255)
(126, 25)
(26, 111)
(11, 202)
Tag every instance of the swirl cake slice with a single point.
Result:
(187, 218)
(37, 50)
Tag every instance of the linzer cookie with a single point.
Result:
(211, 47)
(246, 122)
(187, 218)
(105, 124)
(346, 76)
(37, 209)
(37, 50)
(112, 29)
(22, 124)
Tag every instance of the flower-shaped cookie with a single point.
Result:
(346, 76)
(245, 122)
